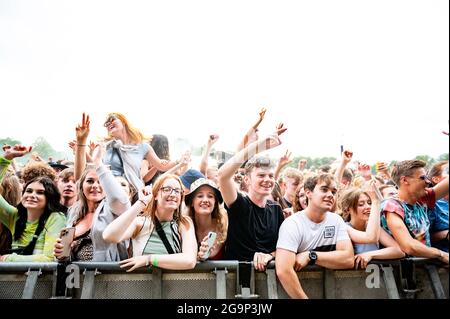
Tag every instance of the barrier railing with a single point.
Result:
(389, 279)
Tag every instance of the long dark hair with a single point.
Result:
(53, 197)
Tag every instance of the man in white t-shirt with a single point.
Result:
(313, 236)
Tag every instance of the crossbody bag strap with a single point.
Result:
(163, 237)
(28, 249)
(116, 151)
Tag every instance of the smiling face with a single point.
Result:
(92, 189)
(261, 181)
(323, 196)
(204, 200)
(34, 197)
(114, 126)
(169, 195)
(303, 200)
(362, 211)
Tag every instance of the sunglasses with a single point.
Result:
(109, 120)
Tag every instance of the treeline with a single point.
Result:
(45, 150)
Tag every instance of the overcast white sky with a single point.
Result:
(373, 75)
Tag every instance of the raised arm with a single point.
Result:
(181, 164)
(161, 165)
(282, 163)
(373, 229)
(213, 138)
(226, 172)
(116, 198)
(441, 189)
(346, 158)
(82, 133)
(252, 133)
(123, 227)
(8, 213)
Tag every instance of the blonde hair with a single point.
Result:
(135, 135)
(10, 189)
(81, 205)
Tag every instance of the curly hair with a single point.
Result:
(37, 169)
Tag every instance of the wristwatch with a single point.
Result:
(312, 257)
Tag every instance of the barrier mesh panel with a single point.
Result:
(352, 285)
(11, 287)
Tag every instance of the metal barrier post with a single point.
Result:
(272, 292)
(408, 277)
(88, 284)
(30, 284)
(221, 284)
(157, 283)
(436, 284)
(389, 282)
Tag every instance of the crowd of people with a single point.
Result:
(128, 202)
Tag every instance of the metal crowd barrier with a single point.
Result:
(397, 279)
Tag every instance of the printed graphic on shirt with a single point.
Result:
(329, 232)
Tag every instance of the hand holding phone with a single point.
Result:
(211, 239)
(67, 235)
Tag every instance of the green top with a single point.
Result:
(43, 251)
(155, 244)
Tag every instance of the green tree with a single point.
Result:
(9, 141)
(428, 159)
(443, 157)
(43, 148)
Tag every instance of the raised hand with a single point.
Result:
(272, 140)
(213, 138)
(347, 156)
(98, 154)
(73, 145)
(285, 159)
(281, 129)
(82, 130)
(145, 195)
(262, 113)
(186, 158)
(17, 150)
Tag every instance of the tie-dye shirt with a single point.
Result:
(414, 216)
(43, 251)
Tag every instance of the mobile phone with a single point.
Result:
(67, 235)
(211, 240)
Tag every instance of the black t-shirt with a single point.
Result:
(251, 228)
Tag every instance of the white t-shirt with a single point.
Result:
(298, 233)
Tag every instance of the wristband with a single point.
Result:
(154, 261)
(145, 204)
